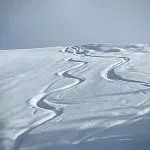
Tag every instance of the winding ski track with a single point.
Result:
(39, 101)
(110, 75)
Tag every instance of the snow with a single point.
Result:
(93, 96)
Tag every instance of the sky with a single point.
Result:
(44, 23)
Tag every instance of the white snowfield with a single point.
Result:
(88, 97)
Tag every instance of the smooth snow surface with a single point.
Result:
(94, 96)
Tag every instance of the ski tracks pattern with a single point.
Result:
(39, 101)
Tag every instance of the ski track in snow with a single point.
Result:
(39, 101)
(109, 74)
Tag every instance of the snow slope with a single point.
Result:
(93, 96)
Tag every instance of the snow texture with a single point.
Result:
(94, 96)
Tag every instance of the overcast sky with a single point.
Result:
(42, 23)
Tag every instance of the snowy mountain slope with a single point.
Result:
(78, 97)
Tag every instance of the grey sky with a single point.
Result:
(42, 23)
